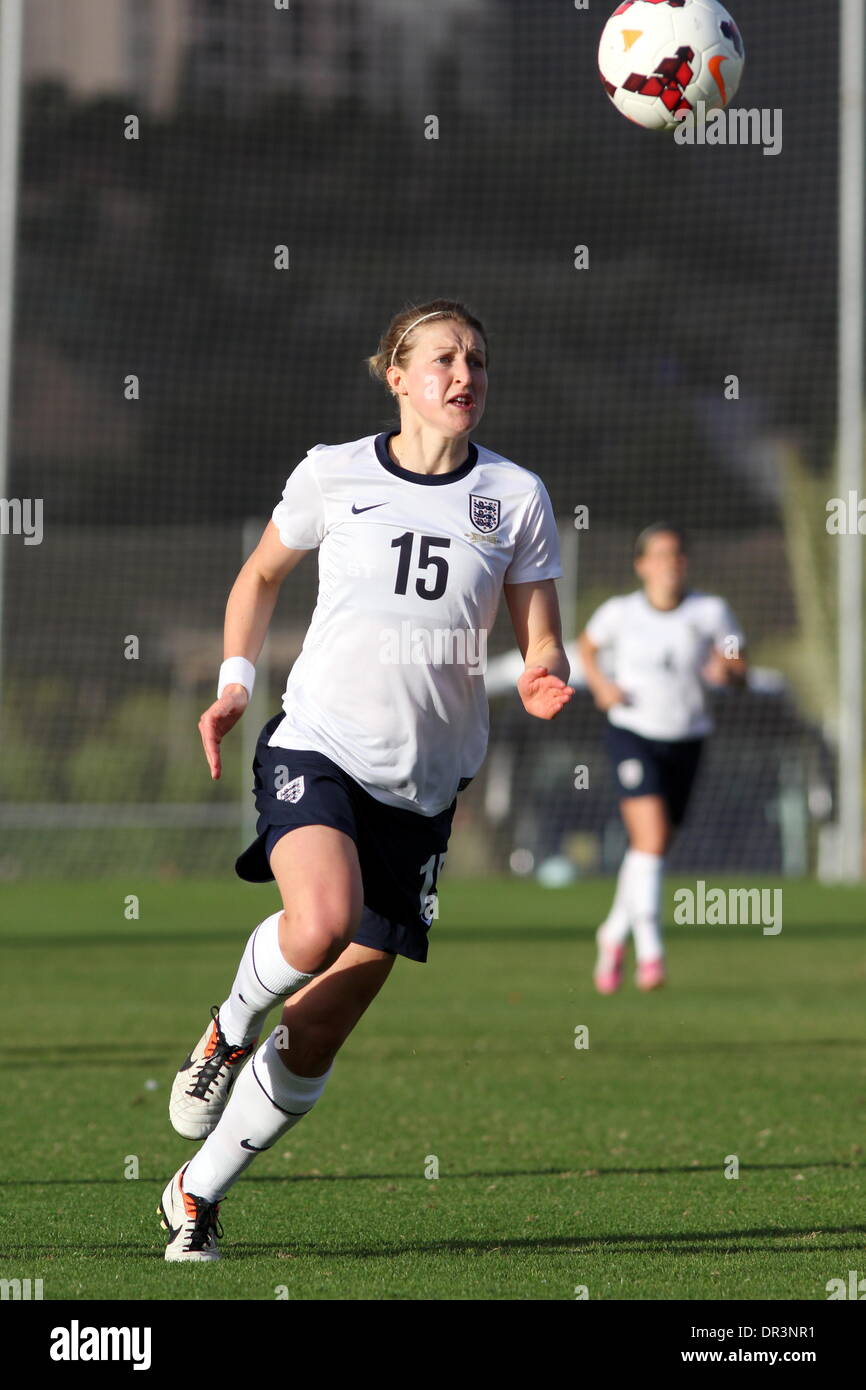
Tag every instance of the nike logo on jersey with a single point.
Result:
(356, 511)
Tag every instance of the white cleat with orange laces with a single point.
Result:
(192, 1223)
(204, 1081)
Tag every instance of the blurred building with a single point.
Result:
(231, 55)
(108, 47)
(384, 54)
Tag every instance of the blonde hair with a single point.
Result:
(398, 340)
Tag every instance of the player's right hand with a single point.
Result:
(610, 694)
(215, 723)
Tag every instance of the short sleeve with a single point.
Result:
(300, 515)
(603, 626)
(536, 550)
(725, 627)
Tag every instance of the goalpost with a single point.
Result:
(850, 437)
(10, 98)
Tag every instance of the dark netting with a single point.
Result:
(153, 258)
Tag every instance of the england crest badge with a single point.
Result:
(484, 512)
(292, 791)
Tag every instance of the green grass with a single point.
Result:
(559, 1167)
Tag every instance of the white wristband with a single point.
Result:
(236, 670)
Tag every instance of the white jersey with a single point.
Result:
(656, 656)
(390, 681)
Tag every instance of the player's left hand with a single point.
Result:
(216, 722)
(542, 694)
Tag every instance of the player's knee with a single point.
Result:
(652, 838)
(320, 935)
(653, 844)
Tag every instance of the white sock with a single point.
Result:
(644, 896)
(264, 978)
(267, 1100)
(616, 926)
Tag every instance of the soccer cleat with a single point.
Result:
(609, 967)
(201, 1087)
(192, 1223)
(650, 974)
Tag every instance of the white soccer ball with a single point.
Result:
(658, 58)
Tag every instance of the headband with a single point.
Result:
(432, 315)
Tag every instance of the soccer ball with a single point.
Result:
(658, 58)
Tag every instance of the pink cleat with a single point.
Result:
(650, 974)
(608, 968)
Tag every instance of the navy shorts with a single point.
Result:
(400, 852)
(654, 767)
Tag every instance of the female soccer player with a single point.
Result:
(384, 720)
(663, 642)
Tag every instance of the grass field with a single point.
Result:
(559, 1167)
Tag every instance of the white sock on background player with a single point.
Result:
(616, 926)
(264, 979)
(645, 873)
(267, 1100)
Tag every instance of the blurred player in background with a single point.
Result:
(660, 646)
(419, 533)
